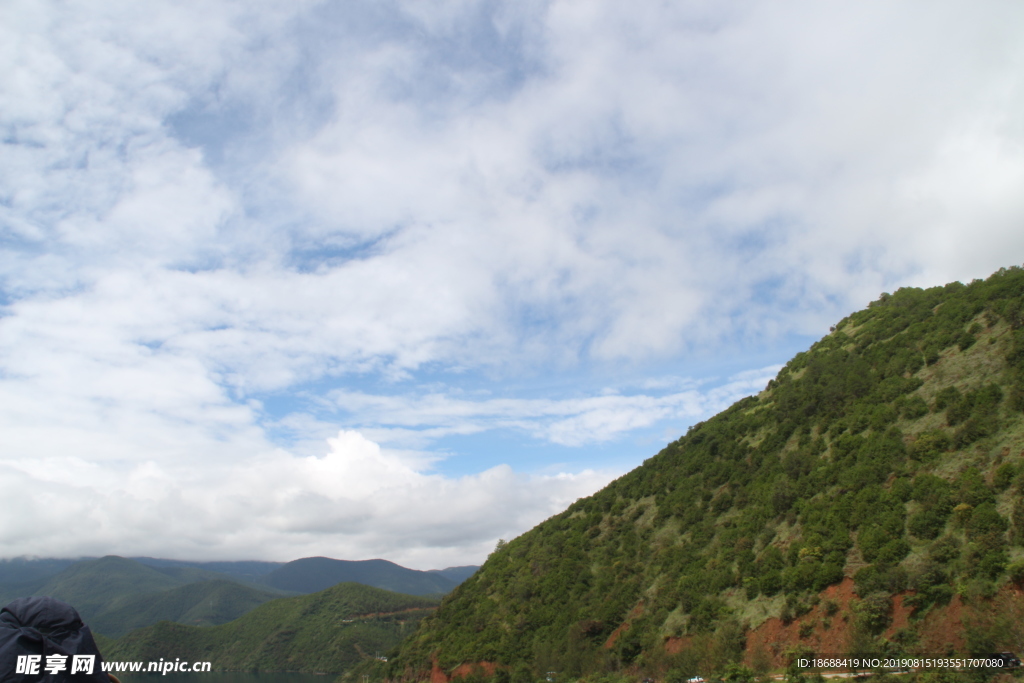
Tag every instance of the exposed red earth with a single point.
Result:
(624, 626)
(940, 631)
(437, 675)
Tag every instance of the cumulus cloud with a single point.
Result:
(355, 501)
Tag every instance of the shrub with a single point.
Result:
(770, 582)
(881, 416)
(737, 673)
(972, 488)
(927, 523)
(827, 574)
(1004, 476)
(945, 550)
(929, 574)
(902, 489)
(975, 428)
(871, 541)
(914, 407)
(993, 563)
(872, 612)
(945, 398)
(960, 410)
(880, 577)
(800, 576)
(1017, 517)
(985, 519)
(930, 444)
(965, 340)
(893, 551)
(1016, 572)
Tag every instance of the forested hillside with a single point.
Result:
(329, 631)
(889, 454)
(202, 603)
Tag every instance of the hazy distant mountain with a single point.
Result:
(88, 580)
(312, 574)
(252, 571)
(116, 594)
(457, 574)
(23, 569)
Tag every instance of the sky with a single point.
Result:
(400, 278)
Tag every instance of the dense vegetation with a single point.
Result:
(202, 603)
(890, 452)
(330, 631)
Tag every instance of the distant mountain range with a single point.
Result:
(313, 574)
(251, 571)
(329, 631)
(115, 595)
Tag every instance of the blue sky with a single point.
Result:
(399, 279)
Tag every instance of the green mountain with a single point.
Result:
(329, 631)
(869, 499)
(92, 586)
(115, 595)
(202, 603)
(312, 574)
(246, 571)
(25, 570)
(24, 576)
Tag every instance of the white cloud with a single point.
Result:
(206, 204)
(356, 501)
(634, 189)
(416, 421)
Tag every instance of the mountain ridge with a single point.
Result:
(889, 455)
(115, 595)
(313, 574)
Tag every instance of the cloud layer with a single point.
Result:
(354, 501)
(231, 230)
